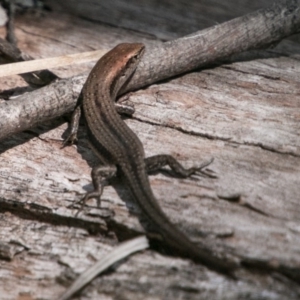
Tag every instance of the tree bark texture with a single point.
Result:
(242, 111)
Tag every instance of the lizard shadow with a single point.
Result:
(152, 232)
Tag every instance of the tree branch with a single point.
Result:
(256, 30)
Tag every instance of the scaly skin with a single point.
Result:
(116, 144)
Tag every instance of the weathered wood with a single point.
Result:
(163, 19)
(244, 113)
(160, 62)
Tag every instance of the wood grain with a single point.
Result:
(244, 113)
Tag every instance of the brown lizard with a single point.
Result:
(119, 149)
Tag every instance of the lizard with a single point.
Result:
(120, 150)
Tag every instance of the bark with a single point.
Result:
(244, 113)
(163, 61)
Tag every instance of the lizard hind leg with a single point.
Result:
(99, 175)
(156, 162)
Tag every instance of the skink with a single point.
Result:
(119, 149)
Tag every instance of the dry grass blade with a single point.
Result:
(49, 63)
(120, 252)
